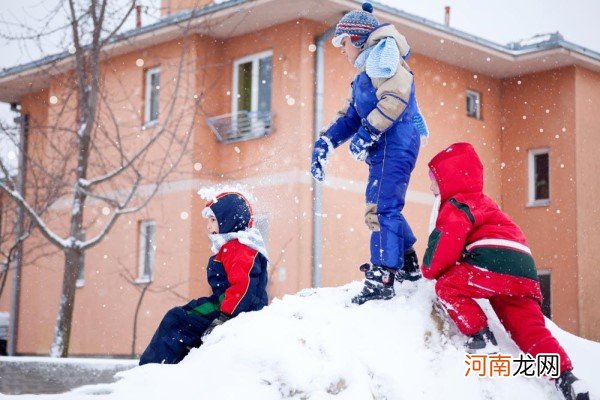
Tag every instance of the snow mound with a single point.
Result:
(316, 345)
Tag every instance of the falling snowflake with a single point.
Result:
(53, 99)
(139, 62)
(105, 210)
(184, 215)
(312, 48)
(197, 166)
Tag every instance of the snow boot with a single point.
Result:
(483, 342)
(379, 284)
(411, 270)
(571, 387)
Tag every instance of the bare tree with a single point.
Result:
(143, 289)
(86, 155)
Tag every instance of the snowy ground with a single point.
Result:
(314, 346)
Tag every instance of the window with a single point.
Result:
(261, 222)
(545, 284)
(473, 104)
(252, 83)
(80, 271)
(151, 97)
(539, 177)
(80, 267)
(147, 251)
(9, 144)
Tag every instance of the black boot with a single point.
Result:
(411, 270)
(483, 342)
(571, 387)
(379, 284)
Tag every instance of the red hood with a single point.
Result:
(457, 169)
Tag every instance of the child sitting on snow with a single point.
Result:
(237, 274)
(384, 125)
(477, 252)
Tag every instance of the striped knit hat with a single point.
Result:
(357, 25)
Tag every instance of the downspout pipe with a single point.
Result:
(13, 323)
(317, 203)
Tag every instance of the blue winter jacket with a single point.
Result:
(380, 106)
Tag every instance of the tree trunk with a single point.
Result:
(135, 318)
(62, 332)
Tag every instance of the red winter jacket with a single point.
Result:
(238, 277)
(471, 227)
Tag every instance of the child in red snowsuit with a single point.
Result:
(477, 252)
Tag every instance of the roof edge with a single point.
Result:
(556, 40)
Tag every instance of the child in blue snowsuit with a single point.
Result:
(384, 125)
(237, 274)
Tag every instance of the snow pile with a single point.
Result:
(315, 345)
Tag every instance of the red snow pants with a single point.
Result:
(515, 300)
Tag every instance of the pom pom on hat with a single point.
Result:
(368, 7)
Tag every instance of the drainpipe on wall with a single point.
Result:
(317, 205)
(13, 323)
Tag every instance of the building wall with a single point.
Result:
(587, 125)
(173, 6)
(539, 111)
(275, 170)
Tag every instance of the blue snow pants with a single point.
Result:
(391, 162)
(180, 330)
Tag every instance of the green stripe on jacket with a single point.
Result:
(503, 261)
(208, 307)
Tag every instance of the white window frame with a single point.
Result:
(532, 201)
(148, 103)
(142, 277)
(255, 58)
(477, 102)
(80, 272)
(81, 266)
(261, 222)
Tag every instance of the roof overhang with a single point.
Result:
(238, 17)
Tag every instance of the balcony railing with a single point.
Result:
(243, 125)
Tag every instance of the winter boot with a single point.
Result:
(571, 387)
(379, 284)
(483, 342)
(411, 270)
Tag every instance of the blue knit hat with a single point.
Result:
(357, 25)
(232, 211)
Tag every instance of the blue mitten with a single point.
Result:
(361, 141)
(321, 149)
